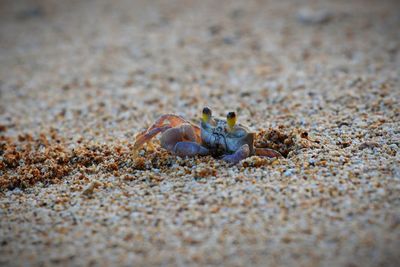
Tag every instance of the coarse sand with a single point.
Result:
(317, 80)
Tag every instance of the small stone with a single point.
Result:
(313, 16)
(90, 188)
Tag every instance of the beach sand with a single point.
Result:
(318, 80)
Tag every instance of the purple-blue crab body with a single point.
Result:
(217, 137)
(220, 141)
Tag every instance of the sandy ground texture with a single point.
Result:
(319, 81)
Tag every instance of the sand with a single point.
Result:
(78, 80)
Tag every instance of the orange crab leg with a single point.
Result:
(267, 152)
(146, 136)
(159, 127)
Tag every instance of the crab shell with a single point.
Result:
(220, 141)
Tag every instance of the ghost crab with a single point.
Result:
(220, 138)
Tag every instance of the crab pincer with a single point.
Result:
(190, 149)
(242, 153)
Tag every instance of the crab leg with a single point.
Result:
(242, 153)
(173, 121)
(146, 136)
(267, 152)
(159, 127)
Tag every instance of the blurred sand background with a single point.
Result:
(78, 79)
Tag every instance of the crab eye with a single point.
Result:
(231, 120)
(206, 114)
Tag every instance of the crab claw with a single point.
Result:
(242, 153)
(190, 149)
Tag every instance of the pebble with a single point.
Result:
(313, 16)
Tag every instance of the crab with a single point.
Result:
(220, 138)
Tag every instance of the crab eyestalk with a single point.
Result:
(231, 120)
(206, 116)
